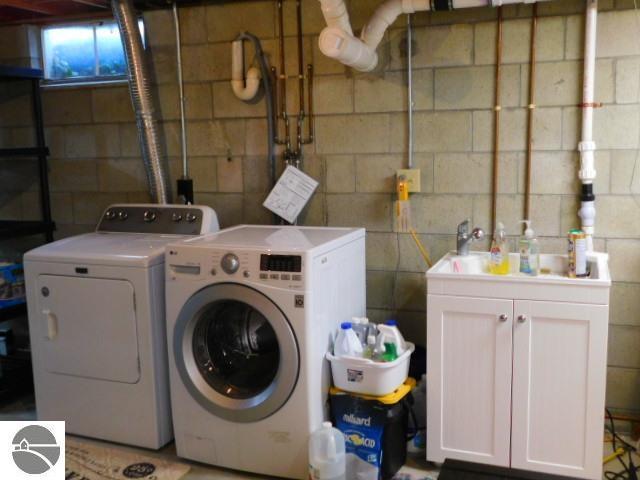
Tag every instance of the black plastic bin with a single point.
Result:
(375, 429)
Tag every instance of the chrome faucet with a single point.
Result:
(465, 238)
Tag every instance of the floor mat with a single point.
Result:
(409, 473)
(88, 461)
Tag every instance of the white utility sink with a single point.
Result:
(469, 276)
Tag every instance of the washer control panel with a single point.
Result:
(238, 265)
(160, 219)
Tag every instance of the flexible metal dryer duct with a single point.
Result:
(142, 100)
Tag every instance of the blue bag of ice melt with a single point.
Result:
(375, 432)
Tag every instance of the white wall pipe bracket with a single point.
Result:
(245, 88)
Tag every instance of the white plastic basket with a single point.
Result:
(362, 375)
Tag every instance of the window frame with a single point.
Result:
(95, 80)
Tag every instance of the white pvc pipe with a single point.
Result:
(351, 51)
(338, 42)
(384, 16)
(587, 146)
(244, 88)
(336, 15)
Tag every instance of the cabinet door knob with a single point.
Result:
(503, 318)
(522, 318)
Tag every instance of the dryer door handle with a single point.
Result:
(51, 326)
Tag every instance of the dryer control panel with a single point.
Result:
(159, 219)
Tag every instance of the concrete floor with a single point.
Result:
(205, 472)
(24, 410)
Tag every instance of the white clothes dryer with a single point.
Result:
(251, 312)
(97, 323)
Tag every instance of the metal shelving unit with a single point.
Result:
(16, 228)
(15, 378)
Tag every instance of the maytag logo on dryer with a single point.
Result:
(32, 450)
(355, 420)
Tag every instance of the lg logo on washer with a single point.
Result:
(32, 450)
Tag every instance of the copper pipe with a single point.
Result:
(310, 124)
(282, 77)
(300, 58)
(301, 112)
(531, 108)
(496, 129)
(275, 113)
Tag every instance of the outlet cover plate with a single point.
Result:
(413, 179)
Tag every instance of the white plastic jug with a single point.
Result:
(347, 342)
(327, 454)
(360, 325)
(389, 333)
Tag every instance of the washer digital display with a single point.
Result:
(280, 263)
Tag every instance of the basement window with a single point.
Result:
(84, 53)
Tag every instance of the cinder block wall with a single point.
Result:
(361, 141)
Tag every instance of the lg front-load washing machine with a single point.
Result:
(97, 323)
(251, 312)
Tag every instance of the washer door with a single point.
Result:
(236, 352)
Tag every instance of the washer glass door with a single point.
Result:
(236, 352)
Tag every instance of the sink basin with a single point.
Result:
(469, 276)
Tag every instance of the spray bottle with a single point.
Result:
(390, 343)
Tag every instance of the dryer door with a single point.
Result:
(236, 352)
(87, 327)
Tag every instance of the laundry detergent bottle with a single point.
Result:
(327, 454)
(499, 258)
(347, 343)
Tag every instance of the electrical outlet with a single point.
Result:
(413, 179)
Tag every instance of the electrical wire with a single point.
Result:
(630, 470)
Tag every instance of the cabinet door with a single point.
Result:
(559, 376)
(469, 347)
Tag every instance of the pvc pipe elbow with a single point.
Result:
(384, 16)
(347, 49)
(247, 89)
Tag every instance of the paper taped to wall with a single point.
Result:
(290, 194)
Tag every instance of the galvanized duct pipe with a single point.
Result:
(142, 100)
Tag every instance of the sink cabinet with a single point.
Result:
(516, 382)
